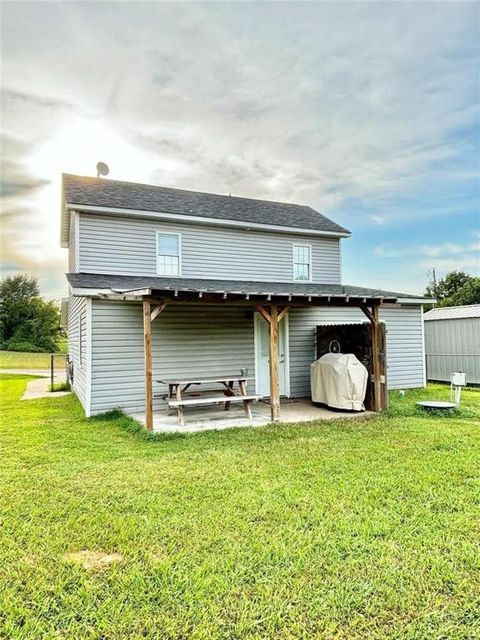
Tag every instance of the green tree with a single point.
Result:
(468, 294)
(455, 286)
(27, 321)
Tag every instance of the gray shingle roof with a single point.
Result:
(120, 283)
(100, 192)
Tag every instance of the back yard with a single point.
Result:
(365, 529)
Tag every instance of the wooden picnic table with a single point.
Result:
(178, 386)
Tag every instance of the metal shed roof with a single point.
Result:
(453, 313)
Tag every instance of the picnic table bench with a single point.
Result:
(176, 387)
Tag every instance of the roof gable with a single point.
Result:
(104, 193)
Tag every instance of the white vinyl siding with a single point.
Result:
(81, 337)
(73, 244)
(169, 254)
(186, 341)
(405, 354)
(113, 245)
(219, 340)
(77, 345)
(302, 263)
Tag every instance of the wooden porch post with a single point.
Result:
(274, 374)
(147, 352)
(376, 365)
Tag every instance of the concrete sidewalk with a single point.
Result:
(38, 388)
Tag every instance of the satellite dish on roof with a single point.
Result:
(102, 169)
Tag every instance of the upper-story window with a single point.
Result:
(169, 252)
(302, 262)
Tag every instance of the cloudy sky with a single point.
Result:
(368, 112)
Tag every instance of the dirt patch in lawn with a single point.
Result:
(92, 560)
(158, 557)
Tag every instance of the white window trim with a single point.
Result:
(301, 244)
(179, 236)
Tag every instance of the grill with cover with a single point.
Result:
(339, 380)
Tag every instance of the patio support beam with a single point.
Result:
(274, 365)
(147, 354)
(273, 319)
(376, 365)
(157, 311)
(367, 312)
(283, 313)
(263, 313)
(373, 316)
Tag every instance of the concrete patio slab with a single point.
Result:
(208, 418)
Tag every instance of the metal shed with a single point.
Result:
(452, 342)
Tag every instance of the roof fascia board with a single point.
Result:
(120, 294)
(404, 301)
(93, 292)
(161, 215)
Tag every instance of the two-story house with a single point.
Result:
(209, 269)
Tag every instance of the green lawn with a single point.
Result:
(350, 530)
(20, 360)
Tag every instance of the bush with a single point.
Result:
(24, 347)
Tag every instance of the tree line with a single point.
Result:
(28, 322)
(456, 288)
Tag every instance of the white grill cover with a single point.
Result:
(339, 380)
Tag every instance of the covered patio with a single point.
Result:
(273, 301)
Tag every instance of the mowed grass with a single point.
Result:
(352, 530)
(20, 360)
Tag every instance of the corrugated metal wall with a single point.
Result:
(218, 340)
(453, 345)
(128, 247)
(77, 345)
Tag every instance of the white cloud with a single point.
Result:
(469, 262)
(318, 103)
(443, 257)
(432, 251)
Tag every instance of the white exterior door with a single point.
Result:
(262, 373)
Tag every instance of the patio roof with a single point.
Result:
(272, 300)
(105, 285)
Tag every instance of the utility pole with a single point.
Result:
(434, 280)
